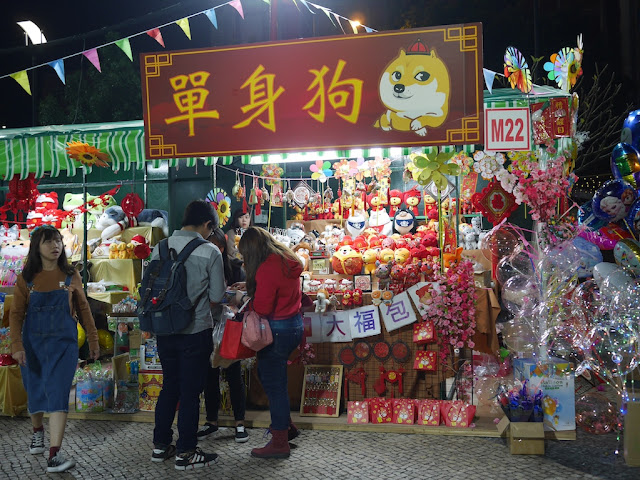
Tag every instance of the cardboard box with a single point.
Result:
(481, 278)
(523, 438)
(555, 377)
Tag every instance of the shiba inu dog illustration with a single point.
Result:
(415, 88)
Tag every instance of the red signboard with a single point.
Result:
(402, 88)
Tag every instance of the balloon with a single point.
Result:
(627, 255)
(562, 341)
(633, 218)
(520, 338)
(517, 291)
(561, 261)
(599, 240)
(105, 340)
(588, 301)
(518, 263)
(625, 163)
(625, 306)
(590, 256)
(613, 200)
(501, 242)
(596, 414)
(611, 278)
(587, 218)
(614, 349)
(82, 336)
(631, 129)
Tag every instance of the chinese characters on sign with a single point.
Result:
(364, 321)
(189, 101)
(335, 327)
(399, 313)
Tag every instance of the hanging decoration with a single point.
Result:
(321, 170)
(272, 173)
(302, 194)
(222, 203)
(494, 202)
(517, 70)
(87, 154)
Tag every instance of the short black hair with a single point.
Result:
(199, 212)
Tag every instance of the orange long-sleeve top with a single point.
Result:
(46, 281)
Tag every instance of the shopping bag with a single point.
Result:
(380, 410)
(403, 411)
(423, 332)
(429, 412)
(256, 332)
(231, 346)
(425, 360)
(218, 331)
(358, 412)
(457, 413)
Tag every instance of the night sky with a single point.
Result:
(608, 33)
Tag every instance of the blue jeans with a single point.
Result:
(272, 368)
(185, 360)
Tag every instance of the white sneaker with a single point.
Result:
(37, 443)
(241, 434)
(59, 463)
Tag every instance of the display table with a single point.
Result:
(109, 297)
(13, 397)
(152, 234)
(120, 271)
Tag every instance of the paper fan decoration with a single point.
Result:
(517, 70)
(272, 173)
(222, 203)
(321, 170)
(87, 154)
(558, 67)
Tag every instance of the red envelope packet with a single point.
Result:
(429, 413)
(425, 360)
(380, 410)
(358, 412)
(423, 332)
(403, 411)
(457, 414)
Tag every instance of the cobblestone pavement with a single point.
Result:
(121, 450)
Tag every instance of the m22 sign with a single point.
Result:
(507, 129)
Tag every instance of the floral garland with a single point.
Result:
(450, 304)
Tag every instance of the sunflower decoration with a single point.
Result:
(272, 173)
(87, 154)
(575, 67)
(321, 171)
(432, 167)
(517, 70)
(222, 203)
(558, 67)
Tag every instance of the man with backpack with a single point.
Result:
(184, 350)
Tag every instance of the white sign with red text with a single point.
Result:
(507, 129)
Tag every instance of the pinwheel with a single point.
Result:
(341, 169)
(517, 70)
(321, 171)
(222, 203)
(87, 154)
(558, 67)
(432, 167)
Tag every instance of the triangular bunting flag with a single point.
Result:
(368, 29)
(92, 55)
(489, 76)
(156, 35)
(338, 20)
(296, 4)
(354, 25)
(58, 66)
(125, 46)
(183, 23)
(327, 12)
(304, 2)
(22, 78)
(267, 1)
(238, 6)
(211, 15)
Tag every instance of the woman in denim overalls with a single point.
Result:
(47, 349)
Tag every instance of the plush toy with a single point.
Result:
(347, 261)
(70, 241)
(470, 242)
(151, 217)
(72, 203)
(369, 257)
(412, 199)
(386, 255)
(15, 250)
(141, 248)
(9, 234)
(404, 221)
(112, 222)
(302, 251)
(357, 297)
(451, 258)
(402, 255)
(396, 199)
(383, 272)
(321, 302)
(376, 297)
(380, 221)
(355, 223)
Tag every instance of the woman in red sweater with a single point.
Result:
(273, 282)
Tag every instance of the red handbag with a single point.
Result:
(256, 333)
(423, 332)
(231, 346)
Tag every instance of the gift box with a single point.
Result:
(425, 360)
(149, 387)
(429, 412)
(457, 414)
(423, 332)
(555, 377)
(358, 412)
(403, 411)
(380, 410)
(523, 438)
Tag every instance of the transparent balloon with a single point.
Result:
(520, 338)
(518, 263)
(563, 341)
(519, 290)
(614, 349)
(501, 242)
(560, 263)
(625, 305)
(596, 414)
(588, 300)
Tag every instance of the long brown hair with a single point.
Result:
(256, 244)
(33, 265)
